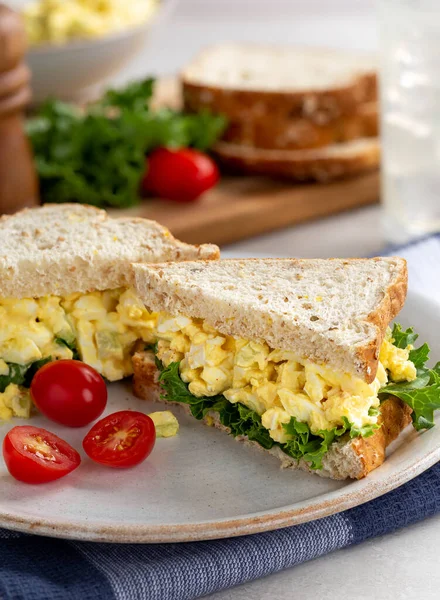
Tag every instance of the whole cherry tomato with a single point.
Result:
(181, 175)
(69, 392)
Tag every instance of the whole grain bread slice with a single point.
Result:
(249, 81)
(308, 164)
(331, 311)
(346, 459)
(63, 248)
(294, 134)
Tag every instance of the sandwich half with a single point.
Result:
(293, 356)
(66, 291)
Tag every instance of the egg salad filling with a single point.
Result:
(58, 21)
(99, 328)
(274, 396)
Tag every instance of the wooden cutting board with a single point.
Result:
(242, 207)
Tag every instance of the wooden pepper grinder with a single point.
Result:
(18, 179)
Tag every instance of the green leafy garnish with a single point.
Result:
(32, 369)
(365, 431)
(16, 375)
(21, 374)
(242, 421)
(71, 346)
(422, 394)
(134, 96)
(403, 339)
(308, 446)
(98, 157)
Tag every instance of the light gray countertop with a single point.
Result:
(402, 566)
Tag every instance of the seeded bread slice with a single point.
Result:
(64, 248)
(312, 164)
(248, 82)
(294, 134)
(332, 311)
(346, 459)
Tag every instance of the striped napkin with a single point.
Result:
(38, 568)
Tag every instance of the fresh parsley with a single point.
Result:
(98, 156)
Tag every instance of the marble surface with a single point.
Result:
(402, 566)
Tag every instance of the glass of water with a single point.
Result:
(410, 117)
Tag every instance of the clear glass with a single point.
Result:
(410, 117)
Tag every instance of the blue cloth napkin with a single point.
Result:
(39, 568)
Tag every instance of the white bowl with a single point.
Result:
(76, 69)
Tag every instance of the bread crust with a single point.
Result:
(392, 303)
(349, 459)
(279, 331)
(300, 133)
(318, 106)
(313, 164)
(65, 248)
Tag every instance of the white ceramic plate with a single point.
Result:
(202, 484)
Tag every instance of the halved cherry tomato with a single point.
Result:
(69, 392)
(123, 439)
(34, 455)
(181, 175)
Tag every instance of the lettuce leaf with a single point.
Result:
(422, 394)
(21, 374)
(308, 446)
(71, 346)
(242, 421)
(403, 339)
(237, 417)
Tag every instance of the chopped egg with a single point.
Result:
(275, 383)
(396, 361)
(165, 423)
(102, 327)
(58, 21)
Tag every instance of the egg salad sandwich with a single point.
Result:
(66, 291)
(293, 356)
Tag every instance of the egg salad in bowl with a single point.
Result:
(100, 328)
(59, 21)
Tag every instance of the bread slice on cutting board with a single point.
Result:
(300, 113)
(248, 81)
(309, 164)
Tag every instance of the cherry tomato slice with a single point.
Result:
(69, 392)
(123, 439)
(179, 175)
(34, 455)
